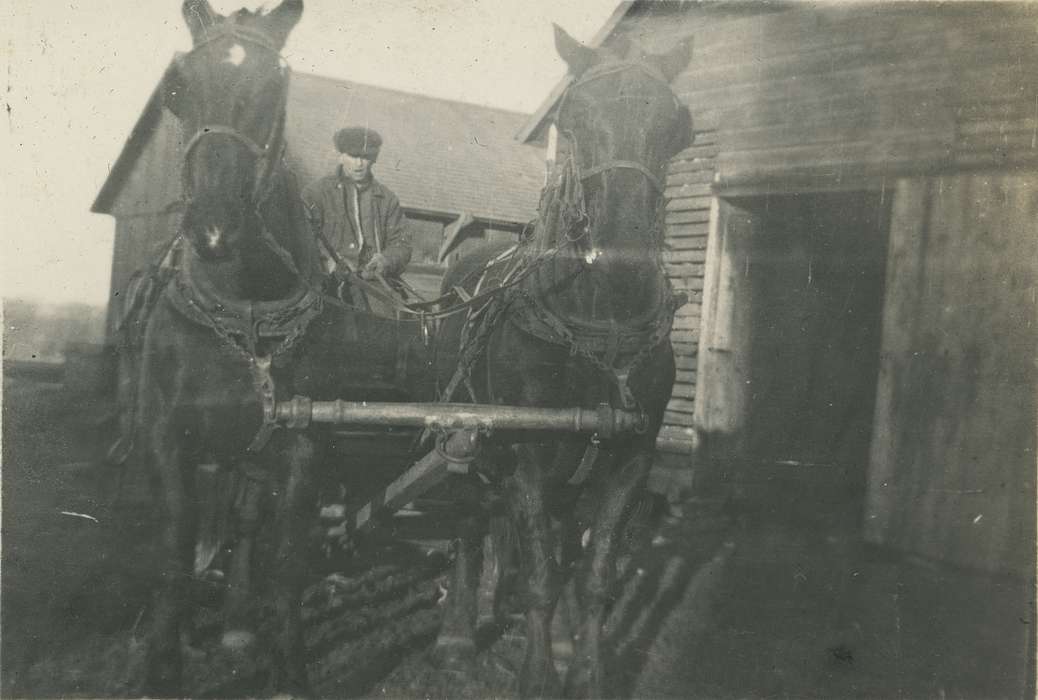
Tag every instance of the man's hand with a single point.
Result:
(375, 267)
(344, 269)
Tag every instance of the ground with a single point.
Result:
(718, 599)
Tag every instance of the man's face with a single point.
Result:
(355, 168)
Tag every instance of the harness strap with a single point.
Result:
(261, 376)
(587, 461)
(621, 164)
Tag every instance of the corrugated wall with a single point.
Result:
(952, 472)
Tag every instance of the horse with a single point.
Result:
(587, 324)
(241, 324)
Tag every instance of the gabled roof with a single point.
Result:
(438, 156)
(532, 126)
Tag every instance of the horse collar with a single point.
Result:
(601, 345)
(251, 328)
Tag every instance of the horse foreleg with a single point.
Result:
(126, 410)
(163, 661)
(246, 514)
(456, 643)
(506, 569)
(586, 675)
(296, 507)
(527, 501)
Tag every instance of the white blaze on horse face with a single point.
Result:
(213, 234)
(235, 55)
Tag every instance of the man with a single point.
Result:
(357, 219)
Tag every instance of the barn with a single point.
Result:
(440, 157)
(855, 224)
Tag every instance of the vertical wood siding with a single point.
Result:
(952, 473)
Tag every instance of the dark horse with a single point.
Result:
(589, 326)
(240, 325)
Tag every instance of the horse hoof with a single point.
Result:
(237, 640)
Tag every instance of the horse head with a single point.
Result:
(623, 123)
(229, 93)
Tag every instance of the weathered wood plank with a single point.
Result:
(685, 376)
(681, 406)
(688, 165)
(679, 419)
(687, 217)
(705, 138)
(683, 391)
(941, 458)
(686, 362)
(676, 179)
(684, 337)
(696, 152)
(687, 349)
(692, 310)
(680, 256)
(852, 57)
(694, 228)
(678, 432)
(684, 269)
(689, 190)
(687, 323)
(688, 283)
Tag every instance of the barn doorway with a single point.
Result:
(817, 269)
(791, 355)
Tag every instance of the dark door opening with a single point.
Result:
(816, 269)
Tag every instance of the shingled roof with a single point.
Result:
(439, 156)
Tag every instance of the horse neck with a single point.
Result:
(618, 276)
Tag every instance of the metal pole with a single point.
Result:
(300, 412)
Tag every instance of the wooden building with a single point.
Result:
(440, 157)
(856, 223)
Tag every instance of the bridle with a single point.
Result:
(614, 164)
(269, 153)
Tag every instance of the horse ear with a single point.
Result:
(283, 18)
(674, 61)
(577, 56)
(199, 16)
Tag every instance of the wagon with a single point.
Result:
(395, 375)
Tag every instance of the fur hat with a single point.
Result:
(359, 142)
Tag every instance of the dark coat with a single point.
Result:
(382, 221)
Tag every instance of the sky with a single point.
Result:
(77, 75)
